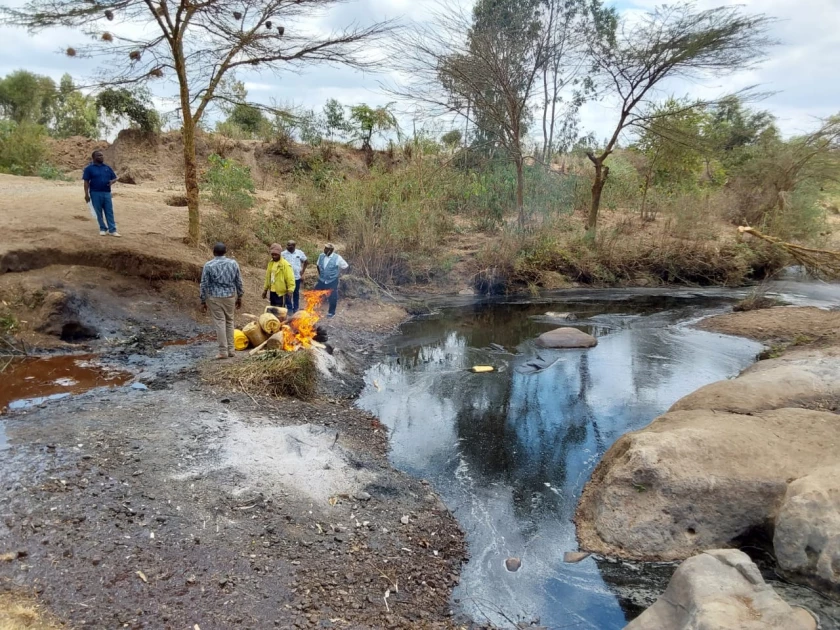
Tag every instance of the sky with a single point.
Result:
(801, 72)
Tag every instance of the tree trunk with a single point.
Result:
(545, 151)
(188, 137)
(191, 180)
(520, 192)
(601, 174)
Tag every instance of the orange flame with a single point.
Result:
(301, 328)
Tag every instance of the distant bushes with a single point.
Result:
(23, 147)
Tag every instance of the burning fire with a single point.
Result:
(300, 331)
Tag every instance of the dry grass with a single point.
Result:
(273, 373)
(22, 613)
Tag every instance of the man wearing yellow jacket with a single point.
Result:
(279, 277)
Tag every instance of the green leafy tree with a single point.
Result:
(75, 113)
(27, 97)
(452, 139)
(196, 44)
(368, 121)
(336, 124)
(131, 104)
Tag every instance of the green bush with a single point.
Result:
(22, 147)
(48, 171)
(230, 186)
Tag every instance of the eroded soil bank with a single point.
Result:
(179, 505)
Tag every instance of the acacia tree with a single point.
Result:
(483, 67)
(196, 44)
(632, 60)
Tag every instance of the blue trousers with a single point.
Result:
(333, 287)
(104, 208)
(293, 300)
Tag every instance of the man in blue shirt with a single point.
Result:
(98, 178)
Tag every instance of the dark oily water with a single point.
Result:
(510, 451)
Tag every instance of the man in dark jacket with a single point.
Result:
(98, 178)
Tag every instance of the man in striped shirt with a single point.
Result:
(221, 291)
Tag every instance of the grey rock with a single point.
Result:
(807, 535)
(513, 564)
(721, 590)
(697, 480)
(566, 338)
(139, 387)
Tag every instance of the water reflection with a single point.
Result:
(510, 451)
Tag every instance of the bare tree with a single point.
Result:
(633, 60)
(565, 23)
(485, 73)
(195, 44)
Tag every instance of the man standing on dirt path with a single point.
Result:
(279, 278)
(330, 266)
(98, 178)
(221, 291)
(297, 259)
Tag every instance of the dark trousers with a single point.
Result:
(293, 300)
(333, 287)
(276, 300)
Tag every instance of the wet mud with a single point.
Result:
(30, 381)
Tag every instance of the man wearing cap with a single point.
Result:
(330, 265)
(297, 259)
(279, 277)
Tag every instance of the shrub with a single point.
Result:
(230, 186)
(50, 172)
(22, 147)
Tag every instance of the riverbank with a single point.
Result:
(169, 502)
(726, 465)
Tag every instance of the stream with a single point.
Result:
(510, 451)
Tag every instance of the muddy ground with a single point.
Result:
(181, 505)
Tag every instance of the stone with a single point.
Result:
(790, 381)
(696, 480)
(361, 496)
(139, 387)
(806, 540)
(566, 338)
(721, 590)
(513, 564)
(573, 557)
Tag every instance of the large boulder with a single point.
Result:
(798, 378)
(807, 535)
(566, 338)
(695, 480)
(721, 590)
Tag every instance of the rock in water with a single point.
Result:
(807, 537)
(513, 564)
(573, 557)
(721, 589)
(696, 480)
(566, 338)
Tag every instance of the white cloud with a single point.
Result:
(802, 70)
